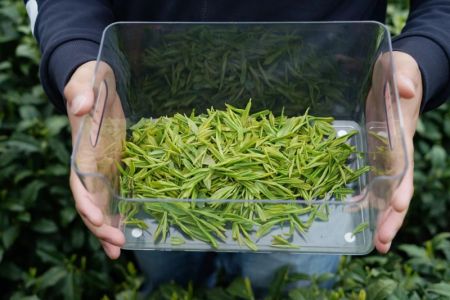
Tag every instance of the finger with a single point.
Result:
(383, 248)
(78, 90)
(85, 207)
(403, 194)
(383, 216)
(390, 226)
(93, 217)
(106, 233)
(406, 87)
(82, 102)
(409, 85)
(113, 252)
(407, 75)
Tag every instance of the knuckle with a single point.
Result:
(97, 232)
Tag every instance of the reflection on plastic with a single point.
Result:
(98, 112)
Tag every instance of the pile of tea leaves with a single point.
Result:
(231, 155)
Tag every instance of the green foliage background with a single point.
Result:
(47, 253)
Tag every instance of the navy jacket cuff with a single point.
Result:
(62, 63)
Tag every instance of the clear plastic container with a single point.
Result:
(338, 69)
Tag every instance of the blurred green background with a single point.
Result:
(47, 253)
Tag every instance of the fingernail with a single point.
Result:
(77, 103)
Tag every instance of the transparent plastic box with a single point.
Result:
(342, 70)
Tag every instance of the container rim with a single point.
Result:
(397, 177)
(236, 23)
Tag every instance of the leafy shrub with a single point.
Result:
(45, 249)
(421, 273)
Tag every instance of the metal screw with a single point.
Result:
(341, 132)
(136, 232)
(349, 237)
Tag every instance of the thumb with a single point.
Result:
(81, 103)
(409, 85)
(406, 87)
(408, 76)
(78, 91)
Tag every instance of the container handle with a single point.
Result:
(98, 112)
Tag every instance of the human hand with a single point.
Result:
(92, 207)
(409, 85)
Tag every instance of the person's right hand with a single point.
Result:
(79, 95)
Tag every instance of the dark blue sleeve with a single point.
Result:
(426, 37)
(68, 33)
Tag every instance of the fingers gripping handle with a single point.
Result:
(84, 156)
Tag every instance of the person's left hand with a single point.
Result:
(409, 85)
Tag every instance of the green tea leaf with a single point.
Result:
(234, 154)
